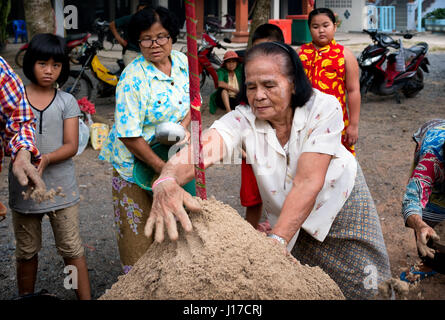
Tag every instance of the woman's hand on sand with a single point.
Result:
(169, 200)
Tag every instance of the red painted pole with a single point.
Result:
(195, 99)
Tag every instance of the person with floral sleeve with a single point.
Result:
(423, 205)
(153, 88)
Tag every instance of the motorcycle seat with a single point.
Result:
(419, 48)
(77, 36)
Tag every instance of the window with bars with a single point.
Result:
(338, 3)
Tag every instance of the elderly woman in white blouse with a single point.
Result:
(314, 192)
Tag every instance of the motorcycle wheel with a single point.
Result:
(364, 83)
(19, 57)
(82, 89)
(413, 86)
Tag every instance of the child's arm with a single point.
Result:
(69, 147)
(353, 96)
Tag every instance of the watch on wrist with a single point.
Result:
(280, 239)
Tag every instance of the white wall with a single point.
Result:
(411, 17)
(354, 22)
(275, 9)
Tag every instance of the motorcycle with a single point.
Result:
(208, 61)
(76, 44)
(79, 83)
(403, 70)
(214, 24)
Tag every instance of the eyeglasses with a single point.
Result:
(147, 43)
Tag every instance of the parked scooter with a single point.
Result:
(403, 71)
(79, 83)
(214, 24)
(208, 61)
(76, 44)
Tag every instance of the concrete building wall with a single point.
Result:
(349, 11)
(406, 11)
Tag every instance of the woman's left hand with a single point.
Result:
(169, 200)
(351, 135)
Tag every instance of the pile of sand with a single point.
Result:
(399, 288)
(223, 258)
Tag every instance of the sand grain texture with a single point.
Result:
(223, 258)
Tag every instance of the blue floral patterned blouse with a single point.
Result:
(425, 192)
(145, 97)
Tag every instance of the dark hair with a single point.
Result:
(318, 11)
(268, 31)
(293, 69)
(45, 46)
(145, 18)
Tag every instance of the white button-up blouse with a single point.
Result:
(316, 127)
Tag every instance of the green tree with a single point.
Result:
(5, 7)
(39, 15)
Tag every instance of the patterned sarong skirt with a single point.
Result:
(354, 253)
(132, 206)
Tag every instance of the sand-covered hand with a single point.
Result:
(169, 200)
(423, 235)
(25, 172)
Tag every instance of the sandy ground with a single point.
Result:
(384, 151)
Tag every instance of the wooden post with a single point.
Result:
(199, 12)
(241, 35)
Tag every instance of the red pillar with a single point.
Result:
(241, 35)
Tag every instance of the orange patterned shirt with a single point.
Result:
(325, 68)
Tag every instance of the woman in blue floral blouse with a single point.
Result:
(153, 88)
(423, 204)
